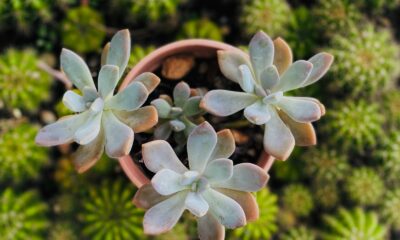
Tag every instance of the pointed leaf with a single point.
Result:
(104, 54)
(261, 49)
(74, 101)
(303, 133)
(225, 146)
(224, 103)
(196, 204)
(283, 55)
(167, 182)
(299, 109)
(139, 120)
(229, 62)
(181, 94)
(219, 170)
(130, 98)
(209, 228)
(87, 155)
(269, 78)
(321, 64)
(120, 50)
(257, 113)
(146, 197)
(163, 131)
(246, 82)
(149, 80)
(108, 80)
(294, 77)
(246, 200)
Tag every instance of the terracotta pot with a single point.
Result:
(200, 48)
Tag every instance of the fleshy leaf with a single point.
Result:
(74, 101)
(196, 204)
(294, 77)
(167, 182)
(321, 64)
(76, 70)
(149, 80)
(181, 94)
(303, 133)
(225, 145)
(209, 228)
(162, 106)
(192, 106)
(257, 113)
(131, 98)
(246, 200)
(104, 54)
(261, 49)
(87, 155)
(229, 62)
(299, 109)
(246, 82)
(224, 103)
(283, 55)
(108, 80)
(146, 197)
(163, 131)
(177, 125)
(120, 49)
(219, 170)
(89, 130)
(269, 77)
(139, 120)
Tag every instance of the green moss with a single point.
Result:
(271, 16)
(108, 212)
(364, 186)
(299, 233)
(366, 61)
(354, 224)
(353, 125)
(62, 231)
(20, 158)
(298, 199)
(390, 208)
(83, 30)
(388, 155)
(154, 10)
(266, 225)
(324, 163)
(201, 28)
(326, 193)
(23, 85)
(23, 216)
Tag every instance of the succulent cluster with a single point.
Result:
(299, 233)
(388, 154)
(154, 10)
(297, 199)
(390, 206)
(201, 28)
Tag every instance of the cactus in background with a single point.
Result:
(20, 158)
(353, 224)
(266, 225)
(83, 30)
(377, 7)
(388, 154)
(353, 125)
(297, 199)
(271, 16)
(154, 10)
(390, 208)
(22, 216)
(326, 193)
(62, 231)
(299, 233)
(23, 85)
(108, 213)
(391, 108)
(364, 186)
(324, 163)
(335, 17)
(366, 61)
(201, 28)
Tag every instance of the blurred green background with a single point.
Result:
(347, 187)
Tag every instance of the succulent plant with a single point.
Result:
(366, 61)
(212, 189)
(20, 158)
(266, 225)
(354, 224)
(83, 30)
(388, 154)
(391, 108)
(62, 231)
(23, 85)
(108, 213)
(154, 10)
(201, 28)
(364, 186)
(286, 219)
(271, 16)
(354, 125)
(326, 193)
(264, 77)
(22, 216)
(336, 16)
(324, 163)
(390, 208)
(177, 115)
(104, 120)
(299, 233)
(297, 199)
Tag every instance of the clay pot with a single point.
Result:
(200, 48)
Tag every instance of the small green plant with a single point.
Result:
(22, 216)
(23, 85)
(212, 189)
(104, 120)
(354, 125)
(297, 199)
(364, 186)
(201, 28)
(62, 231)
(107, 212)
(299, 233)
(154, 10)
(20, 158)
(354, 224)
(271, 16)
(390, 208)
(266, 225)
(391, 108)
(388, 154)
(83, 30)
(265, 76)
(326, 193)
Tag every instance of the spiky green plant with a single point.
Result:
(271, 16)
(391, 108)
(354, 125)
(83, 30)
(22, 216)
(388, 154)
(377, 7)
(201, 28)
(154, 10)
(326, 193)
(364, 186)
(297, 199)
(299, 233)
(23, 85)
(366, 61)
(286, 219)
(20, 158)
(266, 225)
(324, 163)
(108, 213)
(355, 224)
(390, 208)
(336, 16)
(62, 231)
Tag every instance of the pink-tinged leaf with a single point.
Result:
(87, 155)
(162, 217)
(149, 80)
(283, 57)
(229, 62)
(159, 154)
(225, 145)
(104, 54)
(303, 133)
(246, 177)
(321, 106)
(139, 120)
(120, 50)
(278, 139)
(224, 103)
(119, 137)
(261, 49)
(196, 204)
(129, 99)
(227, 211)
(300, 109)
(246, 200)
(209, 228)
(294, 76)
(167, 182)
(257, 113)
(108, 80)
(219, 170)
(321, 64)
(146, 197)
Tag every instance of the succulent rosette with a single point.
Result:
(265, 76)
(102, 120)
(212, 189)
